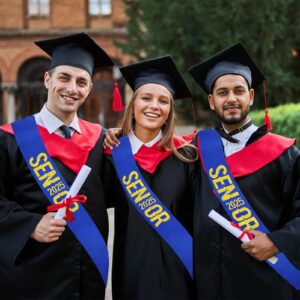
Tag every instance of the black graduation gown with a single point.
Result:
(33, 270)
(144, 266)
(222, 269)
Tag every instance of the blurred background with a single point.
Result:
(131, 30)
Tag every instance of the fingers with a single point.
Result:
(261, 247)
(48, 229)
(111, 137)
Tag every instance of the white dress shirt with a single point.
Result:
(49, 121)
(136, 143)
(242, 137)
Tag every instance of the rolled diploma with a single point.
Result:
(234, 230)
(74, 189)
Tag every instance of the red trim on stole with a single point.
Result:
(148, 158)
(73, 153)
(258, 154)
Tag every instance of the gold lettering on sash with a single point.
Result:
(46, 174)
(243, 217)
(138, 192)
(225, 187)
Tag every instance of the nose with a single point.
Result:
(154, 104)
(231, 97)
(71, 86)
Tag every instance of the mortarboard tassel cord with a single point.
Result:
(117, 100)
(267, 119)
(194, 114)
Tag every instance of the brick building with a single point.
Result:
(22, 64)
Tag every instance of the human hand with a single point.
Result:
(261, 247)
(48, 229)
(111, 138)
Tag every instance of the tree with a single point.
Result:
(193, 30)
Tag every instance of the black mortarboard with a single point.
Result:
(233, 60)
(161, 71)
(77, 50)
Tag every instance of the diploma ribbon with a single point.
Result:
(67, 203)
(249, 235)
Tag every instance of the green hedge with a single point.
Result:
(285, 120)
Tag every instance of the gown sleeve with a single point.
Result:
(110, 182)
(16, 223)
(287, 238)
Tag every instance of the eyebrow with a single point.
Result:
(69, 75)
(235, 87)
(151, 94)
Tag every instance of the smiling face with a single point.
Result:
(231, 99)
(68, 88)
(151, 109)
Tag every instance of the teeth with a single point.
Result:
(68, 98)
(151, 115)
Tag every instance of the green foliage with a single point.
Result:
(285, 119)
(193, 30)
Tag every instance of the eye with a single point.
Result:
(82, 83)
(164, 101)
(240, 91)
(221, 93)
(63, 78)
(146, 98)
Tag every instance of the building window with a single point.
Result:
(99, 7)
(38, 7)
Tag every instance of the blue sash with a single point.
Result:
(150, 207)
(55, 188)
(233, 200)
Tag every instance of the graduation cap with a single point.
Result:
(81, 51)
(77, 50)
(233, 60)
(161, 70)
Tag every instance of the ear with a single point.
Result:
(251, 96)
(90, 87)
(47, 79)
(211, 102)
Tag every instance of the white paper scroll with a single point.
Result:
(234, 230)
(74, 189)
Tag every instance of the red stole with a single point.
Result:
(258, 154)
(73, 152)
(148, 158)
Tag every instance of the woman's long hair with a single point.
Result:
(166, 143)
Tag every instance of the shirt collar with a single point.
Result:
(245, 134)
(242, 137)
(136, 143)
(52, 123)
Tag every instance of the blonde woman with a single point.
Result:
(151, 182)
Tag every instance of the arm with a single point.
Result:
(287, 238)
(20, 214)
(110, 181)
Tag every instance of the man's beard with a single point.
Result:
(234, 120)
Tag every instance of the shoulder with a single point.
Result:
(185, 145)
(95, 132)
(6, 128)
(276, 138)
(90, 127)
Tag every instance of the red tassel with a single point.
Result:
(117, 100)
(267, 121)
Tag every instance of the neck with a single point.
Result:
(146, 136)
(231, 127)
(66, 118)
